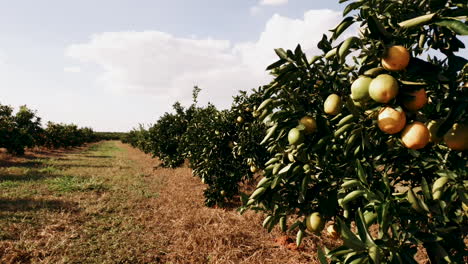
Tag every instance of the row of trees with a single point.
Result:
(368, 133)
(23, 129)
(216, 143)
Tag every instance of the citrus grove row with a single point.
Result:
(23, 129)
(372, 134)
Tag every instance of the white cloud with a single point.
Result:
(255, 10)
(273, 2)
(72, 69)
(158, 63)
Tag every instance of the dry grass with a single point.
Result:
(113, 204)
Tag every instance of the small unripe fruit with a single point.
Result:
(314, 223)
(295, 136)
(383, 88)
(360, 88)
(332, 105)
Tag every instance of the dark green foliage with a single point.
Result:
(64, 136)
(19, 131)
(23, 130)
(351, 169)
(166, 136)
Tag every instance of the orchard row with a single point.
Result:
(368, 133)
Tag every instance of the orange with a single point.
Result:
(332, 105)
(457, 137)
(395, 58)
(383, 88)
(391, 121)
(417, 101)
(295, 136)
(309, 123)
(415, 135)
(314, 223)
(360, 88)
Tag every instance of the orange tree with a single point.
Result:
(249, 131)
(369, 133)
(138, 138)
(166, 134)
(220, 144)
(20, 130)
(66, 135)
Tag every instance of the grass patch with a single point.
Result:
(76, 184)
(105, 150)
(9, 184)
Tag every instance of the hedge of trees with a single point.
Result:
(23, 129)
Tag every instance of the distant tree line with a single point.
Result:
(23, 129)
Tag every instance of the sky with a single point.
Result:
(113, 64)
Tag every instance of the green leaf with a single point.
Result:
(362, 229)
(299, 237)
(339, 251)
(321, 256)
(417, 21)
(456, 26)
(425, 189)
(276, 64)
(361, 172)
(285, 169)
(352, 7)
(345, 24)
(345, 48)
(377, 30)
(349, 238)
(282, 54)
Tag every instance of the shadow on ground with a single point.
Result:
(14, 205)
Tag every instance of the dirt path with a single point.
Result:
(110, 203)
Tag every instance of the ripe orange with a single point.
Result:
(309, 123)
(383, 88)
(391, 121)
(417, 101)
(457, 137)
(415, 135)
(395, 58)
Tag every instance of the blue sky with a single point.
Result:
(111, 64)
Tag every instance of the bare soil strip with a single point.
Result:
(110, 203)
